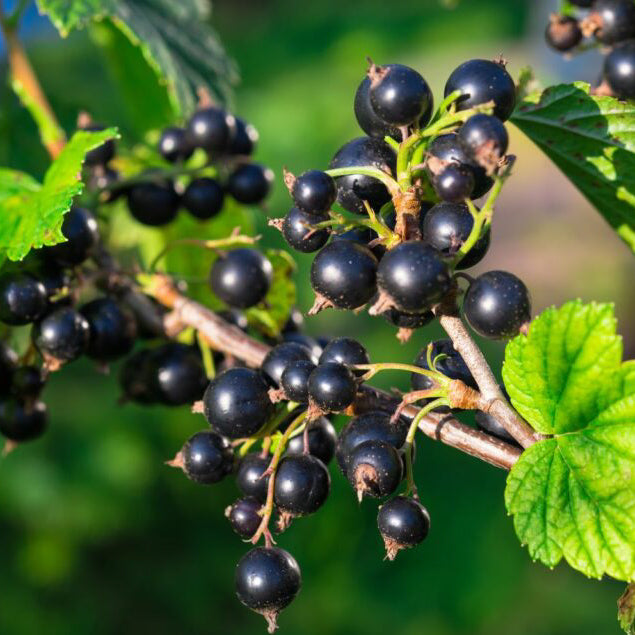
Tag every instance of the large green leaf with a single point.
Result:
(592, 140)
(172, 36)
(573, 495)
(31, 214)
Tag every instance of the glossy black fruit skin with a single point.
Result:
(295, 378)
(484, 134)
(616, 19)
(27, 382)
(332, 387)
(297, 231)
(375, 469)
(619, 69)
(249, 184)
(345, 272)
(314, 192)
(241, 277)
(112, 329)
(50, 273)
(8, 366)
(244, 517)
(354, 189)
(153, 204)
(211, 129)
(203, 198)
(454, 183)
(249, 477)
(294, 322)
(347, 351)
(80, 229)
(322, 441)
(404, 521)
(244, 139)
(103, 153)
(174, 144)
(21, 421)
(563, 33)
(452, 366)
(279, 357)
(400, 96)
(481, 81)
(207, 457)
(414, 276)
(267, 579)
(22, 298)
(302, 484)
(308, 342)
(497, 305)
(236, 318)
(236, 403)
(405, 320)
(371, 426)
(136, 378)
(63, 334)
(492, 426)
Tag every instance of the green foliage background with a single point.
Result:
(97, 536)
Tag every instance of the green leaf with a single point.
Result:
(31, 214)
(592, 140)
(626, 610)
(172, 36)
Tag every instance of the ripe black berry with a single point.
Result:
(563, 33)
(322, 440)
(102, 154)
(250, 479)
(174, 145)
(22, 421)
(244, 517)
(244, 139)
(374, 468)
(614, 20)
(492, 426)
(294, 322)
(8, 366)
(294, 380)
(249, 184)
(153, 204)
(211, 129)
(203, 198)
(80, 229)
(310, 343)
(302, 484)
(454, 183)
(344, 272)
(481, 81)
(267, 580)
(27, 382)
(347, 351)
(354, 189)
(485, 137)
(241, 277)
(332, 387)
(297, 231)
(414, 276)
(407, 320)
(452, 365)
(279, 357)
(207, 457)
(62, 335)
(619, 69)
(402, 522)
(112, 329)
(398, 94)
(236, 402)
(49, 272)
(314, 192)
(136, 378)
(497, 305)
(22, 298)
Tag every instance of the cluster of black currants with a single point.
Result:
(611, 24)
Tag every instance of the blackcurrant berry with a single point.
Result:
(80, 229)
(62, 335)
(136, 378)
(619, 69)
(344, 272)
(492, 426)
(294, 322)
(27, 382)
(279, 357)
(244, 516)
(236, 318)
(297, 231)
(614, 20)
(302, 484)
(112, 329)
(314, 192)
(452, 365)
(207, 457)
(244, 139)
(103, 153)
(402, 522)
(361, 235)
(241, 277)
(22, 421)
(310, 343)
(153, 204)
(405, 320)
(294, 380)
(354, 189)
(250, 479)
(22, 298)
(454, 183)
(398, 94)
(414, 276)
(211, 129)
(249, 184)
(174, 145)
(203, 198)
(563, 33)
(497, 305)
(347, 351)
(8, 366)
(322, 440)
(50, 273)
(481, 81)
(267, 580)
(485, 136)
(332, 387)
(236, 402)
(374, 469)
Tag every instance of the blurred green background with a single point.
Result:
(98, 537)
